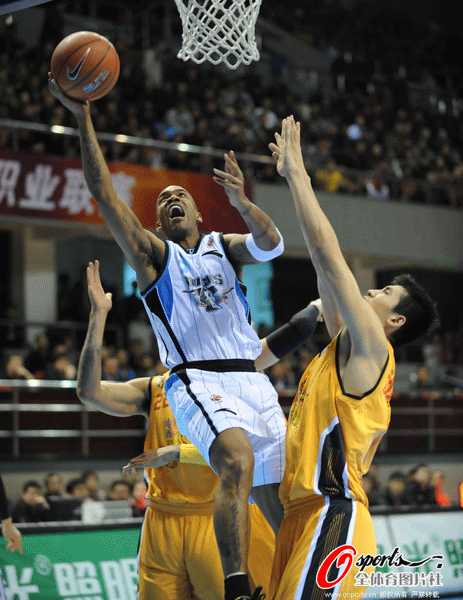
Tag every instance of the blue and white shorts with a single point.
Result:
(205, 403)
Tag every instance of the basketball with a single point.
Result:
(85, 65)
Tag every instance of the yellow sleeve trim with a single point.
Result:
(190, 454)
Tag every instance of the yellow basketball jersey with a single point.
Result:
(332, 436)
(176, 487)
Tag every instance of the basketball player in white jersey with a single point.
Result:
(192, 292)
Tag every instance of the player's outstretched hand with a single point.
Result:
(287, 151)
(13, 536)
(232, 179)
(153, 458)
(99, 300)
(76, 107)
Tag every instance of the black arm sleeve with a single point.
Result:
(291, 335)
(4, 512)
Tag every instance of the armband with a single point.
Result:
(293, 334)
(264, 255)
(189, 454)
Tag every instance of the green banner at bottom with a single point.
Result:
(96, 565)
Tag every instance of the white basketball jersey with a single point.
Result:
(198, 308)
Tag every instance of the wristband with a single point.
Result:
(264, 255)
(293, 334)
(190, 455)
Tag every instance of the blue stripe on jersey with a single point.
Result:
(241, 296)
(165, 293)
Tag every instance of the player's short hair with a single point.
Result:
(418, 308)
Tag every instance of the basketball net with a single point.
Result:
(219, 31)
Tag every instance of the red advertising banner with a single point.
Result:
(50, 187)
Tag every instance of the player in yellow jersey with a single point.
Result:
(341, 410)
(178, 557)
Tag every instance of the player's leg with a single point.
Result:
(232, 458)
(162, 573)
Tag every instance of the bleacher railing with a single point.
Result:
(40, 417)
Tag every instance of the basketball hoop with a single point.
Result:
(219, 31)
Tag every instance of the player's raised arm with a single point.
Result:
(139, 247)
(264, 241)
(118, 399)
(367, 334)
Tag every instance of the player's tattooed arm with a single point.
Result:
(119, 217)
(117, 399)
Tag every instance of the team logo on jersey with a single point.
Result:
(216, 398)
(171, 429)
(205, 291)
(210, 241)
(294, 415)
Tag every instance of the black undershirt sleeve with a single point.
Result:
(293, 334)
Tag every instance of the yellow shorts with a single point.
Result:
(179, 558)
(306, 538)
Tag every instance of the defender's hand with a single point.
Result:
(153, 458)
(287, 151)
(98, 298)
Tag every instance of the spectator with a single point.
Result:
(136, 355)
(38, 358)
(419, 381)
(61, 368)
(377, 188)
(419, 491)
(139, 499)
(139, 329)
(281, 376)
(329, 178)
(125, 371)
(32, 507)
(92, 482)
(368, 484)
(437, 481)
(77, 487)
(91, 511)
(120, 490)
(394, 492)
(14, 368)
(110, 369)
(180, 119)
(12, 334)
(432, 351)
(54, 485)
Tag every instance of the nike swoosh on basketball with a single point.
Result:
(76, 70)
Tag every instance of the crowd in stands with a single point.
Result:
(420, 486)
(54, 354)
(36, 502)
(367, 140)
